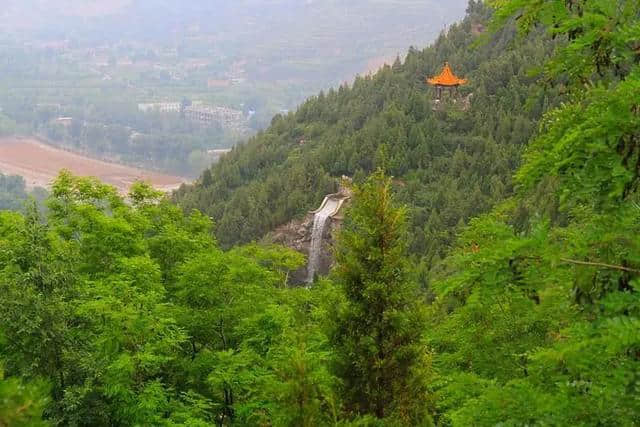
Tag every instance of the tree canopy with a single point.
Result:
(450, 161)
(128, 311)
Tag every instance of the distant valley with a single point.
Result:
(96, 61)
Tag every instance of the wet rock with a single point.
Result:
(297, 235)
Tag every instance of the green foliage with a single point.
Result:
(591, 145)
(383, 363)
(135, 317)
(450, 161)
(526, 334)
(21, 404)
(602, 36)
(536, 316)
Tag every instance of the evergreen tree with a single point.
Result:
(382, 360)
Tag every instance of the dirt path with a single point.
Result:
(39, 164)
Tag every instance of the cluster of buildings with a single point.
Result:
(160, 107)
(198, 112)
(206, 114)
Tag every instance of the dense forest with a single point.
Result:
(123, 312)
(450, 161)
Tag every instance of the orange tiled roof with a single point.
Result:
(446, 78)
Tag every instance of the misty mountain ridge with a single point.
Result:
(245, 20)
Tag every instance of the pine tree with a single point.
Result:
(378, 334)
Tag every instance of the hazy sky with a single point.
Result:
(40, 14)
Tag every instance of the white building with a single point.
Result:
(162, 107)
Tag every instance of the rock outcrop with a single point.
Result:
(313, 236)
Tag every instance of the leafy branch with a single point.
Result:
(600, 264)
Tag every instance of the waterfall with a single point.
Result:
(328, 208)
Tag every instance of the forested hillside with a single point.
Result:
(119, 312)
(449, 163)
(537, 314)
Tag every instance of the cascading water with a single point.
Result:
(328, 208)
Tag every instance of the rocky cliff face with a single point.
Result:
(297, 235)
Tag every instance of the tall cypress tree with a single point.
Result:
(382, 361)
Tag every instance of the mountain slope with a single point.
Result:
(450, 162)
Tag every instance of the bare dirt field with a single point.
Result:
(39, 164)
